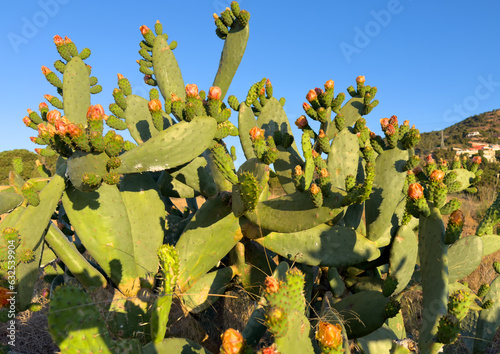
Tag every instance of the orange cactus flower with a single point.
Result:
(271, 284)
(311, 95)
(477, 160)
(436, 176)
(360, 79)
(42, 105)
(256, 133)
(58, 41)
(67, 40)
(214, 93)
(45, 70)
(95, 112)
(154, 105)
(456, 218)
(306, 105)
(144, 29)
(27, 121)
(120, 76)
(232, 342)
(329, 335)
(301, 122)
(191, 90)
(329, 85)
(315, 189)
(53, 116)
(384, 122)
(415, 191)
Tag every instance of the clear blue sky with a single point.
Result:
(434, 63)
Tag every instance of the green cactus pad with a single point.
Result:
(31, 226)
(100, 219)
(81, 163)
(197, 176)
(204, 292)
(343, 157)
(351, 111)
(284, 165)
(234, 47)
(139, 120)
(464, 256)
(403, 256)
(246, 121)
(9, 200)
(434, 272)
(296, 212)
(322, 246)
(464, 176)
(75, 322)
(210, 235)
(76, 91)
(81, 269)
(170, 187)
(146, 214)
(489, 319)
(166, 70)
(386, 195)
(362, 313)
(174, 346)
(491, 244)
(172, 147)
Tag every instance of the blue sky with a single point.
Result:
(434, 63)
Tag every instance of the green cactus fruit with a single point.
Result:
(116, 123)
(483, 290)
(412, 162)
(169, 263)
(224, 163)
(316, 195)
(496, 266)
(392, 308)
(250, 190)
(390, 285)
(91, 181)
(31, 194)
(459, 303)
(448, 329)
(11, 236)
(112, 178)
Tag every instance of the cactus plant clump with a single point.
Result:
(357, 225)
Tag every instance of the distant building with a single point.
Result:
(472, 134)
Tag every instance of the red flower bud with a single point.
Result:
(306, 105)
(311, 96)
(61, 127)
(27, 121)
(67, 40)
(42, 105)
(144, 29)
(214, 93)
(147, 78)
(321, 134)
(390, 130)
(407, 123)
(415, 191)
(53, 115)
(429, 160)
(256, 133)
(74, 130)
(301, 122)
(436, 176)
(360, 79)
(315, 154)
(191, 90)
(477, 160)
(154, 105)
(120, 76)
(174, 97)
(48, 97)
(384, 122)
(58, 41)
(329, 335)
(318, 91)
(393, 120)
(456, 218)
(262, 91)
(329, 85)
(298, 171)
(45, 70)
(268, 82)
(33, 139)
(324, 173)
(38, 151)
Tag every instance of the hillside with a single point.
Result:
(487, 124)
(29, 165)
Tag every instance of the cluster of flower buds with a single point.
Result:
(319, 100)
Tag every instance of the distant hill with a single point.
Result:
(29, 165)
(487, 124)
